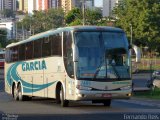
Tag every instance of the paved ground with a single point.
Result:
(40, 108)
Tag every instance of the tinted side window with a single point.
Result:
(56, 48)
(46, 47)
(29, 50)
(22, 52)
(37, 48)
(14, 54)
(8, 55)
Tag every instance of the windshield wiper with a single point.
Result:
(97, 70)
(116, 72)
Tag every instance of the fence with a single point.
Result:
(147, 64)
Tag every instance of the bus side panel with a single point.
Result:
(70, 88)
(53, 74)
(30, 75)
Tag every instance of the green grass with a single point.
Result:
(152, 94)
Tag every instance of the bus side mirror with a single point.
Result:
(130, 46)
(75, 54)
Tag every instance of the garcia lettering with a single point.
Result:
(36, 65)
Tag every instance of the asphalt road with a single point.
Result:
(40, 108)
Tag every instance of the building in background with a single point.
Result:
(1, 5)
(108, 6)
(67, 5)
(9, 26)
(32, 5)
(8, 4)
(42, 4)
(23, 5)
(89, 4)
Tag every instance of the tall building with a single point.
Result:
(32, 5)
(8, 4)
(23, 5)
(54, 3)
(1, 5)
(67, 5)
(108, 6)
(89, 4)
(42, 5)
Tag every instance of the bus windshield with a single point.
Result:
(102, 55)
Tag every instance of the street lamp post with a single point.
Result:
(83, 12)
(131, 30)
(131, 34)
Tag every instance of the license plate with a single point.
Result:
(107, 95)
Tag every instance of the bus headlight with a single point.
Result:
(83, 87)
(126, 87)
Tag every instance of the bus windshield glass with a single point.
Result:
(102, 55)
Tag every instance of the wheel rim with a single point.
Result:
(19, 92)
(15, 92)
(61, 97)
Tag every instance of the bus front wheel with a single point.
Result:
(64, 103)
(107, 103)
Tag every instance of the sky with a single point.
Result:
(98, 3)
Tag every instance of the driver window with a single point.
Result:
(68, 53)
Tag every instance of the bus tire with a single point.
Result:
(20, 96)
(107, 103)
(58, 89)
(15, 93)
(64, 103)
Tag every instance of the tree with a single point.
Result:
(41, 21)
(144, 17)
(8, 13)
(75, 17)
(3, 38)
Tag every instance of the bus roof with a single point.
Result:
(72, 28)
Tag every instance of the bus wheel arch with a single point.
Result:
(15, 91)
(13, 85)
(57, 94)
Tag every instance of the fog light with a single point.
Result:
(81, 95)
(129, 94)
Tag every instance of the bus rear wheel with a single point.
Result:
(20, 96)
(64, 103)
(15, 93)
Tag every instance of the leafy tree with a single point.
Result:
(75, 17)
(92, 16)
(41, 21)
(3, 38)
(8, 13)
(144, 17)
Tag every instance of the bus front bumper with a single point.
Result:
(102, 95)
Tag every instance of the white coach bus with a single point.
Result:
(70, 64)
